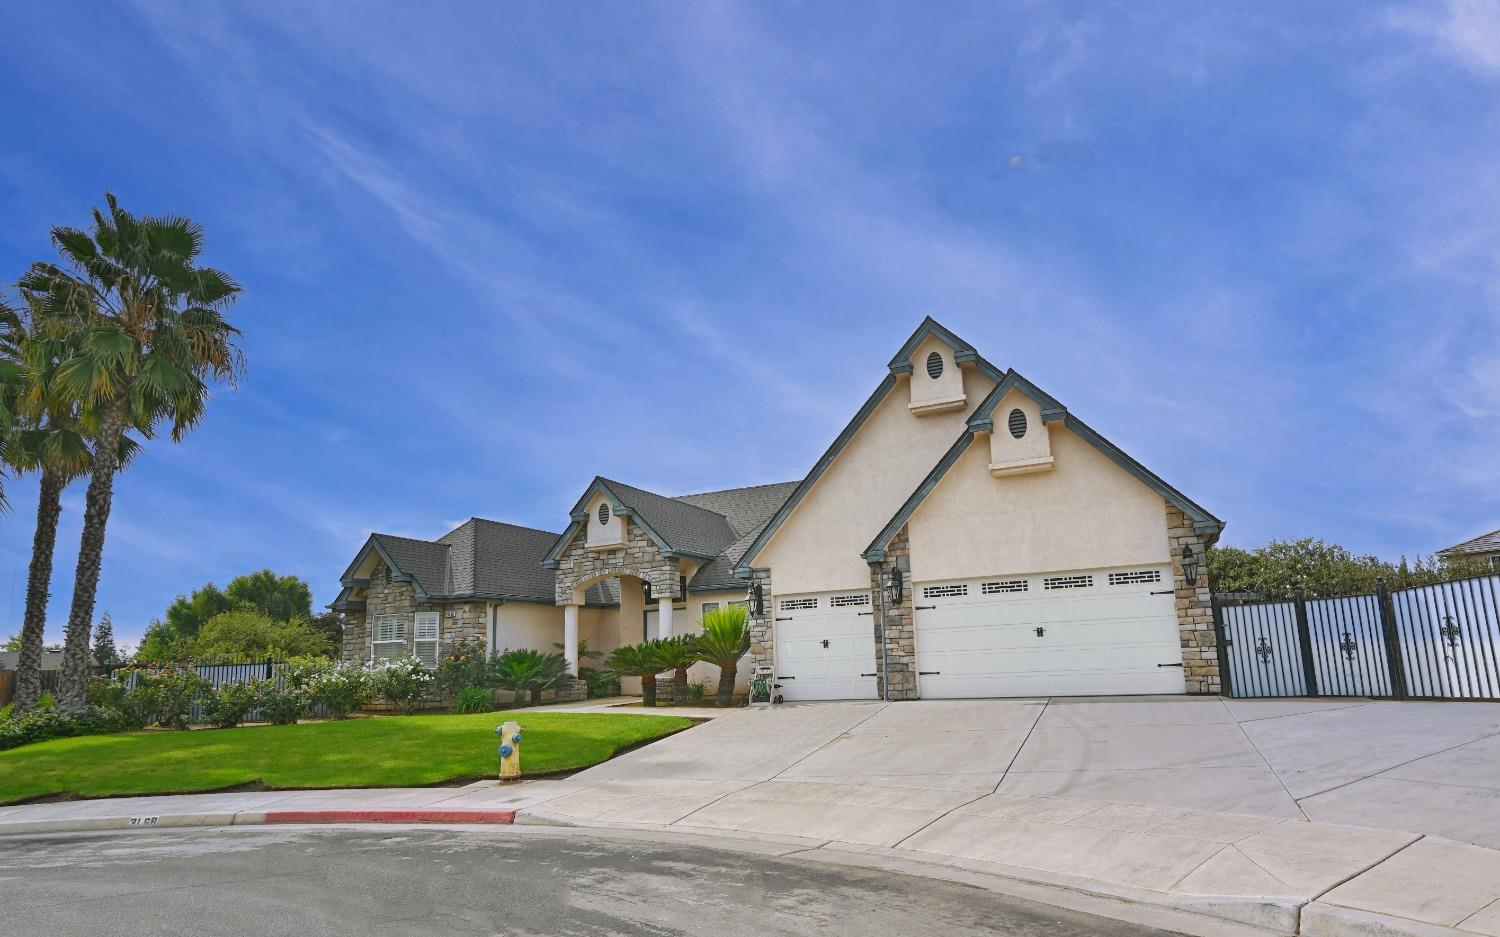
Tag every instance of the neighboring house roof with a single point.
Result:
(1052, 411)
(1484, 543)
(900, 364)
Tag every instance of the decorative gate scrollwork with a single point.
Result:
(1349, 646)
(1263, 650)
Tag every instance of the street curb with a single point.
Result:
(252, 818)
(390, 816)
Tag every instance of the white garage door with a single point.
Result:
(825, 646)
(1074, 633)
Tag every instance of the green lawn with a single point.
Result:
(396, 751)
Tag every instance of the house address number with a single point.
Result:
(143, 821)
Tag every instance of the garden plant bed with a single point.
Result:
(399, 751)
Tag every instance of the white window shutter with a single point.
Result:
(425, 638)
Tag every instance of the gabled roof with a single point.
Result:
(714, 526)
(478, 559)
(900, 364)
(981, 420)
(1484, 543)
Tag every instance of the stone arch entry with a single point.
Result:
(663, 583)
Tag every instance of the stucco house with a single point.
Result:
(965, 535)
(1484, 548)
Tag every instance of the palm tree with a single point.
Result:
(638, 660)
(149, 333)
(524, 670)
(725, 639)
(677, 654)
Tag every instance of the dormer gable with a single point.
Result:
(932, 364)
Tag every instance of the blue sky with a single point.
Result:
(492, 250)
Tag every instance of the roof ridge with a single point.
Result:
(436, 543)
(725, 491)
(490, 520)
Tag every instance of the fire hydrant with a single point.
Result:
(510, 751)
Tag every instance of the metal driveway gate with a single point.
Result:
(1438, 642)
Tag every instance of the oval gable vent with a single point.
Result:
(1017, 422)
(604, 513)
(934, 366)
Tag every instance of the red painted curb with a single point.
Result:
(391, 816)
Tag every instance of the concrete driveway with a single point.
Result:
(878, 772)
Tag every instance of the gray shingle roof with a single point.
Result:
(683, 525)
(495, 558)
(748, 510)
(425, 561)
(1484, 543)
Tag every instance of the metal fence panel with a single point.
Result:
(1450, 638)
(219, 674)
(1348, 646)
(1262, 649)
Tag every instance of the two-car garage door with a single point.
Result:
(1072, 633)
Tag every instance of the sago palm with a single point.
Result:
(677, 654)
(527, 671)
(725, 639)
(147, 334)
(638, 660)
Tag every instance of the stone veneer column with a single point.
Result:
(1195, 616)
(895, 633)
(762, 627)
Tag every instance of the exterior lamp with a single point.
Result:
(646, 592)
(893, 587)
(1190, 565)
(757, 597)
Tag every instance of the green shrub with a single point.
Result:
(341, 688)
(403, 683)
(696, 691)
(599, 682)
(165, 696)
(5, 711)
(282, 705)
(42, 724)
(473, 699)
(464, 665)
(526, 671)
(227, 705)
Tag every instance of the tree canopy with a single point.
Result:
(276, 598)
(1281, 567)
(245, 633)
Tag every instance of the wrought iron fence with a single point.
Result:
(218, 675)
(1439, 641)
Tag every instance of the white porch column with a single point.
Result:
(664, 617)
(570, 638)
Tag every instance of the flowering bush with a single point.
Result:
(165, 695)
(281, 705)
(341, 688)
(227, 705)
(403, 683)
(465, 664)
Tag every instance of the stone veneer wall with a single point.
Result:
(386, 596)
(639, 556)
(896, 633)
(1195, 616)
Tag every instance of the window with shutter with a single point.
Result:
(388, 638)
(425, 638)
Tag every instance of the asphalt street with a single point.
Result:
(385, 882)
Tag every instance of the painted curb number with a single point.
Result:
(143, 821)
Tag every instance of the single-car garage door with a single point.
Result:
(825, 646)
(1070, 633)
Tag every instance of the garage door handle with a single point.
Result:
(780, 677)
(928, 673)
(926, 606)
(1178, 664)
(787, 618)
(866, 613)
(869, 675)
(1164, 592)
